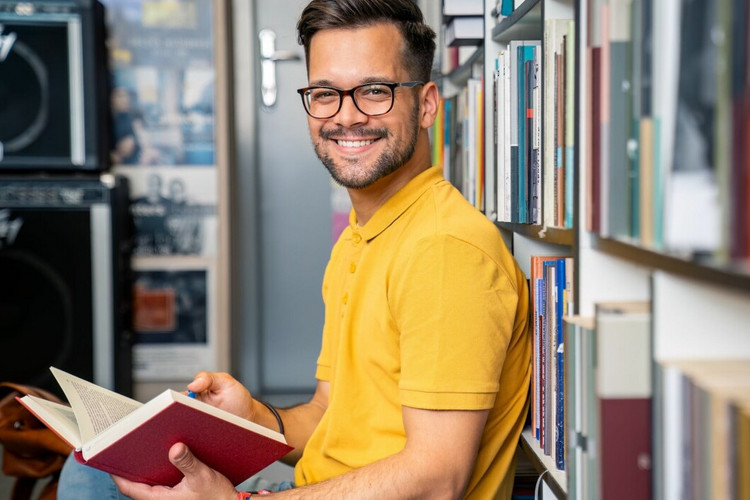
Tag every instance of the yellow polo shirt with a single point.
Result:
(425, 307)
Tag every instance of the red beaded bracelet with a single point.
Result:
(244, 495)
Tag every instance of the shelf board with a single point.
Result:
(735, 274)
(555, 235)
(555, 478)
(524, 23)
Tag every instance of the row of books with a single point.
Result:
(668, 120)
(531, 129)
(458, 140)
(551, 291)
(703, 413)
(607, 402)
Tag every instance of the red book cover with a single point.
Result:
(142, 454)
(124, 437)
(625, 448)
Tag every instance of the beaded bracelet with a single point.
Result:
(244, 495)
(275, 414)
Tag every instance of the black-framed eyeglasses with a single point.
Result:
(372, 99)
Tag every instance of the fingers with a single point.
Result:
(210, 381)
(138, 491)
(182, 458)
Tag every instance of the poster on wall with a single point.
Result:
(165, 87)
(171, 321)
(173, 210)
(161, 57)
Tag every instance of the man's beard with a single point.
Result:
(387, 163)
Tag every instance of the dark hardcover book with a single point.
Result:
(525, 54)
(621, 111)
(636, 67)
(596, 138)
(529, 129)
(739, 216)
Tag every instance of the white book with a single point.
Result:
(463, 7)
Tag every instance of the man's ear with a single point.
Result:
(430, 101)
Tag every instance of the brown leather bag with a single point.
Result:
(30, 450)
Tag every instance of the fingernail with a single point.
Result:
(182, 455)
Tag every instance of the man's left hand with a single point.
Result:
(200, 481)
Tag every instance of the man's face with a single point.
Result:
(358, 149)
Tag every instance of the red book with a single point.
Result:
(124, 437)
(623, 392)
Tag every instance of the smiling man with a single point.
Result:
(424, 367)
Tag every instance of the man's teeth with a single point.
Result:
(354, 144)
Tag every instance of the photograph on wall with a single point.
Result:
(171, 321)
(174, 211)
(162, 98)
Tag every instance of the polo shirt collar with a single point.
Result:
(396, 204)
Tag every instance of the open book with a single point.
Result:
(124, 437)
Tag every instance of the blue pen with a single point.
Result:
(191, 394)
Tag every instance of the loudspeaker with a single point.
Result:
(54, 112)
(65, 293)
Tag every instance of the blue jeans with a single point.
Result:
(81, 482)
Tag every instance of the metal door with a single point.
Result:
(282, 213)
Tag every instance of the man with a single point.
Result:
(423, 373)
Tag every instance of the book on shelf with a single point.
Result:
(551, 292)
(570, 107)
(503, 8)
(701, 402)
(554, 30)
(579, 400)
(620, 120)
(501, 135)
(464, 30)
(692, 218)
(740, 124)
(463, 8)
(122, 436)
(623, 393)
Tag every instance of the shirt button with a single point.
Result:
(352, 267)
(345, 298)
(357, 238)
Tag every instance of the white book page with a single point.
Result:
(59, 418)
(95, 407)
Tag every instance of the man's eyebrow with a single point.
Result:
(369, 79)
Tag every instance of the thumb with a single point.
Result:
(182, 458)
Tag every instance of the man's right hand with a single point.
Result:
(223, 391)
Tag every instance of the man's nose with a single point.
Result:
(349, 114)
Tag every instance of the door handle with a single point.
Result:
(269, 56)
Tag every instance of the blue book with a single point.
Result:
(548, 383)
(560, 396)
(506, 8)
(525, 54)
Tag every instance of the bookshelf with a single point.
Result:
(643, 230)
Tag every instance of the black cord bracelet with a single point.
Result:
(275, 414)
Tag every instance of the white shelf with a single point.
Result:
(555, 478)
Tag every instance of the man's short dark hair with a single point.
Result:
(419, 49)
